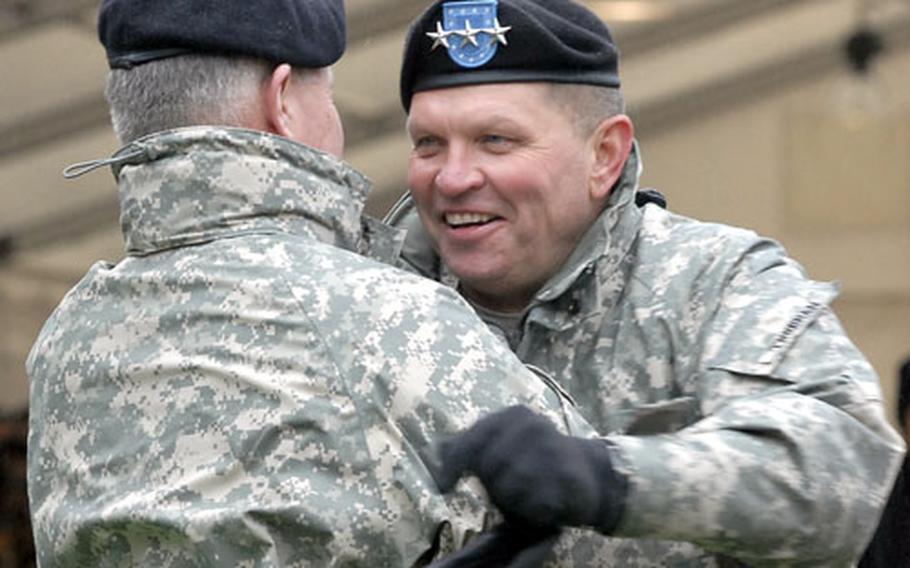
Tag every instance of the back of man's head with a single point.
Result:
(184, 91)
(202, 61)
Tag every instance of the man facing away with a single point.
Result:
(249, 386)
(747, 427)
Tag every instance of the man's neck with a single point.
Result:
(514, 303)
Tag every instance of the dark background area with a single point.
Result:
(16, 546)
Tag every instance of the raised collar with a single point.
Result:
(193, 185)
(603, 246)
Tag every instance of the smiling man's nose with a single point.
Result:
(458, 174)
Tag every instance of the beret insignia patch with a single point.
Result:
(470, 31)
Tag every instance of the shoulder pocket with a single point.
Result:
(751, 334)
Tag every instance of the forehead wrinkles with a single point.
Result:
(512, 105)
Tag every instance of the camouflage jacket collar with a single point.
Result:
(601, 249)
(193, 185)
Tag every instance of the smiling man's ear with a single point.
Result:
(612, 143)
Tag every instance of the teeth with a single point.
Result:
(458, 219)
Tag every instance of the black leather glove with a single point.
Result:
(534, 474)
(505, 545)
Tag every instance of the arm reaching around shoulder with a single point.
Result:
(787, 469)
(539, 478)
(534, 474)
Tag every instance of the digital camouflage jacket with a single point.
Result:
(751, 428)
(244, 388)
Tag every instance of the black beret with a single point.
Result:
(304, 33)
(507, 41)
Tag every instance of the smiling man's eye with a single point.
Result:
(424, 141)
(497, 142)
(423, 145)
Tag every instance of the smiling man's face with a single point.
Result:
(502, 182)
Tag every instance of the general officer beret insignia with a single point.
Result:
(470, 32)
(471, 42)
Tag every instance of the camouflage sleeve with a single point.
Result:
(419, 365)
(793, 458)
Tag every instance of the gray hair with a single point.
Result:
(187, 90)
(587, 105)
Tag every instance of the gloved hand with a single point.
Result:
(535, 475)
(505, 545)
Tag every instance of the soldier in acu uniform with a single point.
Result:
(250, 386)
(740, 424)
